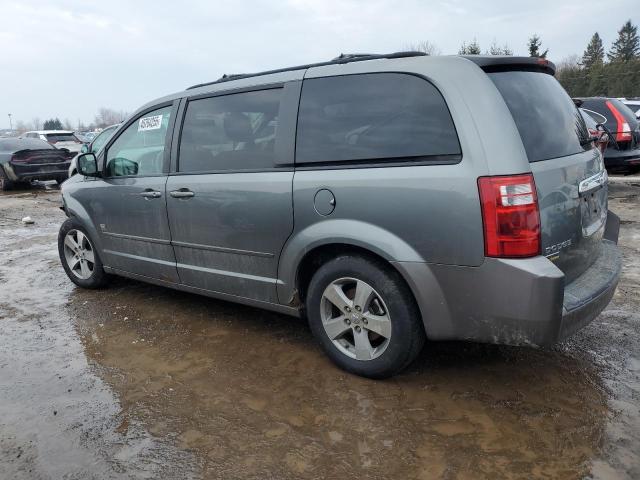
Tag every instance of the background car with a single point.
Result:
(95, 146)
(633, 104)
(26, 159)
(623, 152)
(58, 138)
(600, 137)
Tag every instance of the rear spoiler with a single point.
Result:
(505, 63)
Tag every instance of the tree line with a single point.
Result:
(104, 118)
(614, 73)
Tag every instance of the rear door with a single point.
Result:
(568, 169)
(229, 200)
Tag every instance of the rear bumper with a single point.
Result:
(514, 302)
(37, 171)
(621, 158)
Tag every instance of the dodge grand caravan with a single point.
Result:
(386, 198)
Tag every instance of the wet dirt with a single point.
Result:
(138, 381)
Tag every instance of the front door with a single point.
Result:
(128, 203)
(230, 201)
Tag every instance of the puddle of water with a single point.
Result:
(57, 418)
(250, 392)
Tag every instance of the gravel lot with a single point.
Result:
(137, 381)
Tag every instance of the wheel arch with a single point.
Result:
(307, 250)
(76, 211)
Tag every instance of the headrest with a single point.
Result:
(237, 126)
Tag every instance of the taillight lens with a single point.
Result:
(510, 216)
(623, 130)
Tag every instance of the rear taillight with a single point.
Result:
(510, 216)
(623, 130)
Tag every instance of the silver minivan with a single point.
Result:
(388, 199)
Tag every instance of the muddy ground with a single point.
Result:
(137, 381)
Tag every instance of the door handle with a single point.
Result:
(151, 194)
(182, 193)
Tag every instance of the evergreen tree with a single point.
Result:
(472, 49)
(495, 49)
(627, 46)
(53, 124)
(594, 54)
(534, 46)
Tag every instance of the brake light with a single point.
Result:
(510, 216)
(623, 130)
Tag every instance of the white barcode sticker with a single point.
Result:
(150, 123)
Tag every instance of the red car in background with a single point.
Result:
(623, 152)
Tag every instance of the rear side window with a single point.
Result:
(360, 118)
(230, 132)
(548, 121)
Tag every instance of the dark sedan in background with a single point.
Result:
(25, 159)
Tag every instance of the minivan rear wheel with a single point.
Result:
(79, 257)
(364, 316)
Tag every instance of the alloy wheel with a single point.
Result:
(79, 254)
(355, 318)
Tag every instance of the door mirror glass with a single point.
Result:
(88, 165)
(122, 167)
(84, 148)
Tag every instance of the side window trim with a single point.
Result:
(167, 141)
(285, 138)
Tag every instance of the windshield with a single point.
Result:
(548, 121)
(101, 139)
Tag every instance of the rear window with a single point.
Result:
(548, 121)
(14, 145)
(635, 108)
(360, 118)
(600, 107)
(61, 137)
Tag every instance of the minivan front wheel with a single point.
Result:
(364, 316)
(79, 257)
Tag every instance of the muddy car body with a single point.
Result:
(24, 160)
(386, 198)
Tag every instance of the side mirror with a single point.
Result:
(87, 165)
(84, 148)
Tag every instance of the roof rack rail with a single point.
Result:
(342, 58)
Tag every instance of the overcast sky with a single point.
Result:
(68, 58)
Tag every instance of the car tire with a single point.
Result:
(375, 335)
(79, 257)
(5, 183)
